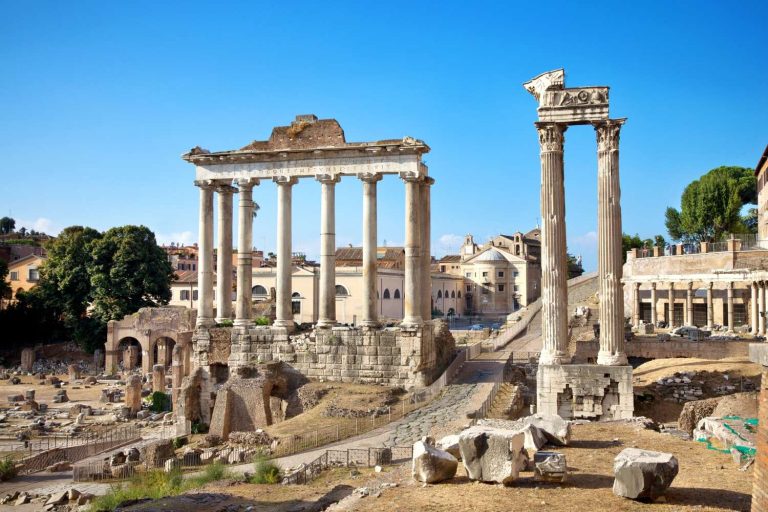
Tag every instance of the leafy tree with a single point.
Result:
(711, 206)
(575, 268)
(129, 271)
(64, 277)
(7, 225)
(659, 241)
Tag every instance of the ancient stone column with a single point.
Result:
(758, 353)
(74, 373)
(27, 359)
(327, 306)
(426, 260)
(412, 298)
(689, 303)
(671, 308)
(177, 373)
(158, 378)
(554, 264)
(609, 235)
(224, 255)
(753, 308)
(761, 308)
(244, 253)
(370, 247)
(133, 394)
(654, 318)
(710, 308)
(205, 261)
(635, 305)
(731, 323)
(284, 313)
(98, 358)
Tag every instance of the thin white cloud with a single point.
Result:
(183, 238)
(41, 225)
(448, 243)
(587, 240)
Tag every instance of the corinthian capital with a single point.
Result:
(608, 134)
(205, 184)
(330, 179)
(551, 136)
(369, 177)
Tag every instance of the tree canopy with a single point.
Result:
(128, 271)
(710, 207)
(7, 225)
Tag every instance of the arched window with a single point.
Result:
(296, 303)
(397, 293)
(439, 294)
(459, 294)
(453, 294)
(386, 293)
(341, 291)
(259, 290)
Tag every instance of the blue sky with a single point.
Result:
(99, 99)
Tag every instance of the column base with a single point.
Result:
(369, 324)
(223, 319)
(557, 357)
(412, 322)
(205, 322)
(243, 322)
(605, 358)
(288, 325)
(325, 324)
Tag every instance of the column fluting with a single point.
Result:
(205, 256)
(284, 312)
(370, 248)
(412, 300)
(327, 306)
(243, 315)
(224, 255)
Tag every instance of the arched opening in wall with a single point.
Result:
(397, 293)
(162, 350)
(439, 294)
(129, 349)
(296, 303)
(459, 294)
(219, 373)
(453, 294)
(260, 293)
(341, 291)
(386, 294)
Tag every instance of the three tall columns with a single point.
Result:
(609, 244)
(554, 264)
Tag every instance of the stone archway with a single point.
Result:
(130, 353)
(162, 350)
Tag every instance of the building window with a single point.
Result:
(485, 274)
(439, 294)
(184, 295)
(517, 288)
(469, 288)
(386, 294)
(468, 274)
(484, 290)
(501, 273)
(296, 303)
(14, 276)
(453, 294)
(194, 295)
(501, 287)
(341, 291)
(442, 268)
(459, 294)
(515, 273)
(397, 293)
(259, 290)
(34, 275)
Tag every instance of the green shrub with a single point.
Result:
(7, 469)
(159, 402)
(265, 471)
(212, 473)
(261, 320)
(199, 428)
(225, 323)
(178, 442)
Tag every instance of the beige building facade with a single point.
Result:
(761, 174)
(24, 273)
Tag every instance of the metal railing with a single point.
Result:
(79, 449)
(358, 457)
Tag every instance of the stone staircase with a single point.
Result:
(508, 404)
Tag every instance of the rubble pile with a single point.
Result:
(683, 387)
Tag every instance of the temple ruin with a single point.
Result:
(411, 354)
(601, 391)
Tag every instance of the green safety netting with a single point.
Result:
(749, 423)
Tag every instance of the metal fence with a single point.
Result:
(72, 450)
(358, 457)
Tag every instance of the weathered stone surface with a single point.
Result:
(491, 454)
(156, 453)
(535, 437)
(430, 464)
(549, 467)
(695, 411)
(555, 429)
(642, 474)
(450, 444)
